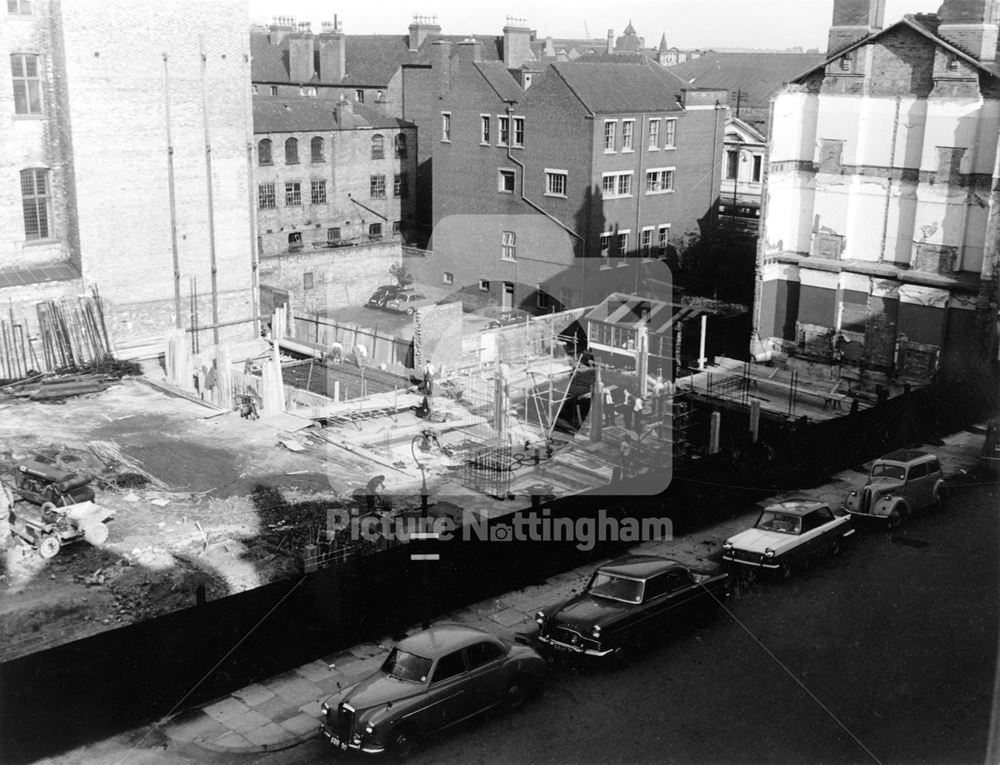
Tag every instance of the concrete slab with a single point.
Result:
(268, 735)
(298, 691)
(301, 724)
(312, 709)
(248, 721)
(232, 740)
(254, 694)
(279, 709)
(225, 709)
(508, 617)
(314, 670)
(201, 727)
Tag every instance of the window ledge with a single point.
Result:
(29, 117)
(658, 193)
(553, 195)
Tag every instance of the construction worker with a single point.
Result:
(609, 405)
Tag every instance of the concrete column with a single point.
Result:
(713, 434)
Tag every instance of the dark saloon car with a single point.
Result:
(627, 603)
(383, 295)
(430, 681)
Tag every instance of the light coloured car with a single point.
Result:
(430, 681)
(788, 535)
(408, 302)
(899, 483)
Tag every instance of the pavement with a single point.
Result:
(284, 710)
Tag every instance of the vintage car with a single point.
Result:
(627, 603)
(408, 302)
(383, 294)
(899, 483)
(430, 681)
(789, 534)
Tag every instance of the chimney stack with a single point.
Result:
(854, 20)
(421, 28)
(331, 52)
(469, 50)
(301, 61)
(971, 26)
(441, 65)
(281, 26)
(611, 41)
(516, 43)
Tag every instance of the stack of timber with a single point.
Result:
(67, 334)
(53, 388)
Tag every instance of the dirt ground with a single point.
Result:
(200, 500)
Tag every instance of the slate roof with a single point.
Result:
(756, 75)
(620, 84)
(273, 114)
(498, 76)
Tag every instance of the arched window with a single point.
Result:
(378, 147)
(400, 145)
(317, 149)
(292, 151)
(264, 152)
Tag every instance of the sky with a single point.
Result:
(765, 24)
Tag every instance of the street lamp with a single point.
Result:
(424, 442)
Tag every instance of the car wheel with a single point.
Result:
(401, 744)
(517, 693)
(49, 546)
(939, 500)
(409, 311)
(894, 518)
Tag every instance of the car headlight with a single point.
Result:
(596, 632)
(324, 707)
(540, 617)
(768, 553)
(369, 729)
(727, 545)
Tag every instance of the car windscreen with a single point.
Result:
(891, 471)
(407, 666)
(605, 585)
(780, 522)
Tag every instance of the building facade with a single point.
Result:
(879, 241)
(133, 205)
(743, 167)
(555, 196)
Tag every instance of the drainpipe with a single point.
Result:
(173, 196)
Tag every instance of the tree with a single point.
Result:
(403, 277)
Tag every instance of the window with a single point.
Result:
(504, 137)
(732, 164)
(847, 62)
(374, 230)
(255, 89)
(264, 152)
(952, 62)
(293, 193)
(917, 471)
(669, 133)
(378, 147)
(35, 203)
(27, 83)
(555, 183)
(316, 149)
(646, 243)
(662, 239)
(484, 286)
(625, 185)
(605, 245)
(22, 7)
(654, 135)
(484, 129)
(333, 234)
(400, 185)
(446, 126)
(608, 183)
(448, 277)
(506, 182)
(542, 298)
(616, 185)
(659, 181)
(622, 243)
(400, 142)
(480, 654)
(396, 226)
(519, 131)
(609, 135)
(265, 196)
(758, 164)
(317, 193)
(377, 187)
(359, 96)
(292, 151)
(628, 128)
(274, 90)
(307, 280)
(508, 246)
(448, 666)
(295, 240)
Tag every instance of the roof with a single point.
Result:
(904, 455)
(756, 76)
(633, 84)
(640, 566)
(800, 506)
(441, 639)
(273, 114)
(659, 316)
(498, 77)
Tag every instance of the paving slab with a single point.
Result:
(270, 734)
(302, 724)
(314, 670)
(298, 690)
(248, 721)
(253, 694)
(232, 740)
(225, 709)
(279, 709)
(508, 617)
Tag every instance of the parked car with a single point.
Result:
(383, 294)
(627, 603)
(789, 534)
(430, 681)
(408, 302)
(899, 484)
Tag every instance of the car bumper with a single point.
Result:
(762, 564)
(859, 514)
(558, 645)
(335, 741)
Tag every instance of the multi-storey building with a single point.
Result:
(334, 193)
(879, 241)
(554, 195)
(126, 139)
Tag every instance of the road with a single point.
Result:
(885, 654)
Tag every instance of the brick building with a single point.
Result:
(130, 203)
(334, 184)
(879, 238)
(553, 196)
